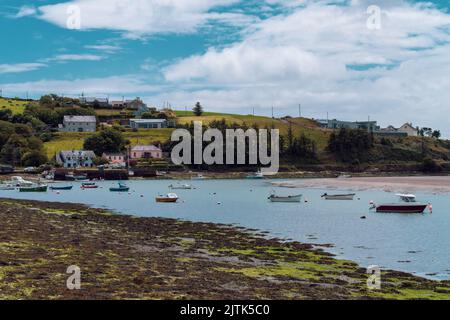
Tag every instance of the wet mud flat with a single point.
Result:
(126, 257)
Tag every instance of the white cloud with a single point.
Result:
(76, 57)
(139, 16)
(309, 55)
(20, 67)
(127, 84)
(26, 11)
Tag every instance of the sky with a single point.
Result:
(344, 58)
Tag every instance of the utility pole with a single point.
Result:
(299, 110)
(272, 112)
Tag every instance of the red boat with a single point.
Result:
(89, 185)
(402, 208)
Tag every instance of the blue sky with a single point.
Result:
(237, 55)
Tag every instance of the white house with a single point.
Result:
(409, 130)
(76, 159)
(79, 124)
(148, 123)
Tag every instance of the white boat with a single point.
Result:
(295, 198)
(20, 182)
(256, 175)
(181, 187)
(7, 187)
(407, 197)
(198, 177)
(349, 196)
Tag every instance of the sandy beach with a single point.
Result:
(435, 184)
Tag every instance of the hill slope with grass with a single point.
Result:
(16, 106)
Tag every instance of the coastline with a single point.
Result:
(125, 257)
(433, 184)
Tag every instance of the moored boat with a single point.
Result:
(89, 185)
(120, 188)
(256, 175)
(349, 196)
(7, 187)
(401, 208)
(170, 198)
(36, 188)
(198, 177)
(61, 188)
(181, 187)
(294, 198)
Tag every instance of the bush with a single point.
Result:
(431, 166)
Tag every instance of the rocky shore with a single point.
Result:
(124, 257)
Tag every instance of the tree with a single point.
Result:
(198, 109)
(34, 158)
(108, 140)
(436, 134)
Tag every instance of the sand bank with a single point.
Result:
(435, 184)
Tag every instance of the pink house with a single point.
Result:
(145, 152)
(115, 158)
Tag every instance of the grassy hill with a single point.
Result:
(299, 125)
(16, 106)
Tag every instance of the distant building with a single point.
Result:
(115, 158)
(93, 101)
(149, 123)
(118, 104)
(76, 159)
(337, 124)
(78, 124)
(406, 130)
(145, 152)
(409, 129)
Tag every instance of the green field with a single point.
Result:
(16, 106)
(299, 125)
(74, 141)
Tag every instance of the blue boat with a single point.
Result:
(57, 188)
(120, 188)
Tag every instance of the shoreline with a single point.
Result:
(430, 184)
(126, 257)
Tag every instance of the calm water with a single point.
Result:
(415, 243)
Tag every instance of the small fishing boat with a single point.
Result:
(170, 198)
(256, 175)
(120, 188)
(181, 187)
(7, 187)
(80, 177)
(198, 177)
(401, 208)
(89, 185)
(20, 182)
(349, 196)
(61, 188)
(295, 198)
(408, 204)
(35, 188)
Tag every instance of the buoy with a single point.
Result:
(57, 192)
(430, 207)
(363, 217)
(142, 195)
(219, 203)
(371, 202)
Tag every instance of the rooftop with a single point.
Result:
(148, 120)
(80, 119)
(145, 148)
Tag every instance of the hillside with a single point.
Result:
(74, 141)
(16, 106)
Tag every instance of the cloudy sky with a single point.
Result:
(340, 56)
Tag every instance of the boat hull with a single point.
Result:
(119, 189)
(166, 200)
(33, 189)
(339, 197)
(401, 208)
(297, 198)
(61, 188)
